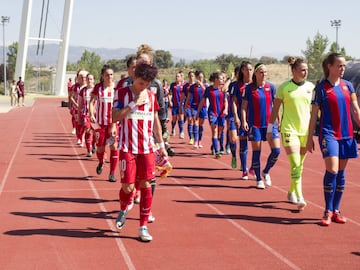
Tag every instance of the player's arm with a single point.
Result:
(201, 104)
(310, 146)
(244, 106)
(158, 135)
(92, 108)
(355, 111)
(235, 111)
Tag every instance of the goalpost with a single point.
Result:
(63, 42)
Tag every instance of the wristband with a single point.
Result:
(132, 105)
(161, 145)
(269, 128)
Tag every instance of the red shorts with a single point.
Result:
(136, 166)
(101, 135)
(85, 121)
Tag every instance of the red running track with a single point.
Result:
(56, 213)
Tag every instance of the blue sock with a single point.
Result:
(329, 190)
(227, 144)
(233, 149)
(273, 157)
(181, 126)
(340, 186)
(256, 163)
(196, 133)
(221, 141)
(190, 130)
(243, 150)
(201, 130)
(215, 145)
(173, 124)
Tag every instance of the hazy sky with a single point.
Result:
(261, 27)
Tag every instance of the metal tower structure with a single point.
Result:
(63, 40)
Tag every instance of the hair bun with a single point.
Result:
(291, 60)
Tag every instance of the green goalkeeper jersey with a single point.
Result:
(296, 101)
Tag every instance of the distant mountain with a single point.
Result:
(48, 55)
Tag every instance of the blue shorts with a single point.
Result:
(231, 125)
(175, 110)
(259, 134)
(188, 112)
(216, 120)
(344, 149)
(202, 114)
(242, 132)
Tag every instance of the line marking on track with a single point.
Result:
(11, 162)
(241, 228)
(119, 242)
(309, 202)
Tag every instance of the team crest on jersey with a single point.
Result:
(267, 88)
(287, 137)
(345, 88)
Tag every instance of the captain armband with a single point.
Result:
(132, 105)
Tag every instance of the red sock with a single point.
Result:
(125, 199)
(114, 158)
(145, 205)
(100, 157)
(88, 141)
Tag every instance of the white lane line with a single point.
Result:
(242, 229)
(11, 162)
(111, 225)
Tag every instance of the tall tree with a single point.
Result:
(314, 54)
(11, 59)
(91, 62)
(163, 59)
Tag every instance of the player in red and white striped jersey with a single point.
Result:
(84, 100)
(100, 109)
(137, 111)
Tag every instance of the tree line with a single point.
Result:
(316, 50)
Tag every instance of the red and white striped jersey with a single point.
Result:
(136, 129)
(85, 94)
(104, 104)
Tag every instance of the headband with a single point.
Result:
(258, 67)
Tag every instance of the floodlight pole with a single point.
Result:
(4, 19)
(336, 24)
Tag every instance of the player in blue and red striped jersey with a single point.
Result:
(231, 133)
(186, 108)
(255, 113)
(217, 110)
(196, 93)
(244, 78)
(176, 110)
(336, 100)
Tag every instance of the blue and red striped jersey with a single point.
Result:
(260, 102)
(334, 103)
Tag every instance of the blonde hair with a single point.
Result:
(145, 49)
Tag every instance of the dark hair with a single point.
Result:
(198, 72)
(254, 82)
(129, 61)
(215, 75)
(242, 66)
(329, 60)
(294, 62)
(145, 71)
